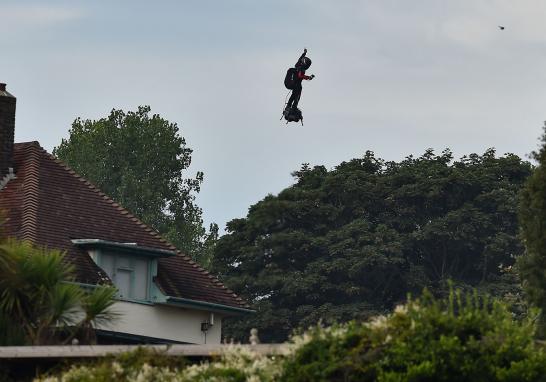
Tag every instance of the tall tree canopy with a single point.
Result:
(140, 161)
(351, 242)
(532, 216)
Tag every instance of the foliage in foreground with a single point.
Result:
(39, 305)
(460, 338)
(351, 242)
(236, 365)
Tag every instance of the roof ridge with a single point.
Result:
(29, 143)
(147, 228)
(29, 223)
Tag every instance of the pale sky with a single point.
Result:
(392, 76)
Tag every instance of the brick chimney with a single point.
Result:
(7, 131)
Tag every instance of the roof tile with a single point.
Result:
(49, 204)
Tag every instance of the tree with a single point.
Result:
(532, 215)
(140, 161)
(353, 241)
(38, 302)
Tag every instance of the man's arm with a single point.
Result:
(302, 76)
(303, 55)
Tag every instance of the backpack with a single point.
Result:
(291, 78)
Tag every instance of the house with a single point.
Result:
(164, 296)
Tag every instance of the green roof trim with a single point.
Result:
(131, 248)
(182, 302)
(186, 302)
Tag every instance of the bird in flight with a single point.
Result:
(501, 27)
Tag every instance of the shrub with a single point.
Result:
(235, 365)
(460, 338)
(148, 365)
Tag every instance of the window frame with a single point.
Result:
(97, 247)
(132, 259)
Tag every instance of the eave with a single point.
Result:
(122, 247)
(204, 305)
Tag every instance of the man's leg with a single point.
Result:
(294, 97)
(296, 94)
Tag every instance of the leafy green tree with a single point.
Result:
(532, 216)
(351, 242)
(140, 161)
(39, 304)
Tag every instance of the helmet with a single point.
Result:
(305, 63)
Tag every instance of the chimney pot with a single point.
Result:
(2, 87)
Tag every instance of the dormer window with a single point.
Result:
(130, 274)
(130, 267)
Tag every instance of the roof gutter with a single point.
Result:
(186, 302)
(183, 302)
(123, 247)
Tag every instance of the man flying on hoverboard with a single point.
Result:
(292, 81)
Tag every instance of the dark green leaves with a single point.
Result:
(350, 242)
(532, 216)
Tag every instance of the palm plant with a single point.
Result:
(37, 295)
(97, 311)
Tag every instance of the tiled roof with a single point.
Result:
(49, 204)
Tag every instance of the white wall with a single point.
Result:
(159, 321)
